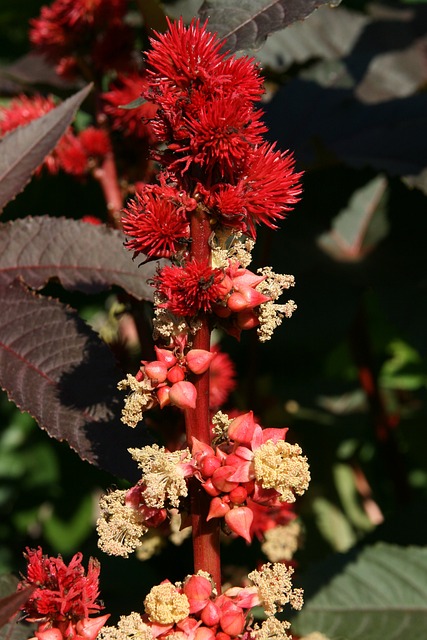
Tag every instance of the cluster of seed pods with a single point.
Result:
(167, 375)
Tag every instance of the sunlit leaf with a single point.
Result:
(360, 226)
(370, 594)
(246, 24)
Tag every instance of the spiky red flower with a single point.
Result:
(185, 56)
(190, 289)
(72, 157)
(62, 591)
(67, 24)
(222, 134)
(131, 122)
(267, 190)
(95, 142)
(156, 221)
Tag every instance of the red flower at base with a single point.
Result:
(64, 596)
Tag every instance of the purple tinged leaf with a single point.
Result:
(56, 368)
(33, 68)
(358, 228)
(24, 149)
(245, 25)
(83, 257)
(10, 605)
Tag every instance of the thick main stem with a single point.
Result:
(205, 534)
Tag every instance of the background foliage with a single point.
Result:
(346, 91)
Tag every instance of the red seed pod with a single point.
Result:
(220, 479)
(232, 619)
(210, 614)
(238, 495)
(156, 371)
(198, 590)
(247, 320)
(210, 489)
(222, 312)
(176, 374)
(199, 360)
(203, 633)
(162, 394)
(222, 636)
(218, 508)
(236, 302)
(88, 628)
(183, 395)
(239, 520)
(165, 356)
(208, 465)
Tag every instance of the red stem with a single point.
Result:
(107, 177)
(205, 534)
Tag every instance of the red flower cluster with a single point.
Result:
(253, 465)
(212, 132)
(209, 616)
(64, 597)
(130, 122)
(74, 154)
(68, 29)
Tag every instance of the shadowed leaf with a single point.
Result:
(9, 605)
(24, 149)
(33, 68)
(246, 24)
(379, 592)
(83, 257)
(11, 629)
(358, 228)
(54, 366)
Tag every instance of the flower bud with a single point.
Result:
(217, 509)
(49, 634)
(253, 297)
(238, 495)
(89, 628)
(203, 633)
(176, 374)
(242, 428)
(220, 478)
(199, 360)
(162, 394)
(156, 371)
(232, 619)
(210, 489)
(210, 614)
(165, 356)
(236, 302)
(198, 590)
(239, 521)
(183, 395)
(247, 319)
(208, 465)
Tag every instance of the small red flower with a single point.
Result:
(222, 378)
(95, 142)
(131, 122)
(63, 592)
(190, 289)
(66, 25)
(156, 221)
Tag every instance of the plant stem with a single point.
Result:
(107, 177)
(197, 422)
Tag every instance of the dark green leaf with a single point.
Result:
(23, 150)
